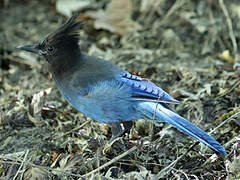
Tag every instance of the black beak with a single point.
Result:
(33, 48)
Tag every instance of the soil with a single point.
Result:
(188, 48)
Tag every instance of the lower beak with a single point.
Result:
(33, 48)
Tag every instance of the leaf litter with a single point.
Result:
(186, 47)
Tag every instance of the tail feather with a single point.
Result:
(167, 115)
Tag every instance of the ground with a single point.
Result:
(189, 48)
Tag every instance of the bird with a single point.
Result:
(105, 92)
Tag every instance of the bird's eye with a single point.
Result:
(50, 49)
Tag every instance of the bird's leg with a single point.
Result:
(116, 129)
(127, 125)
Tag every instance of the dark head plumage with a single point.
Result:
(67, 32)
(59, 44)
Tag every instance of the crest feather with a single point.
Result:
(68, 32)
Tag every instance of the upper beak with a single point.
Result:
(34, 48)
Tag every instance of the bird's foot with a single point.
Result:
(107, 148)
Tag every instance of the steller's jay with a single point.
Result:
(105, 92)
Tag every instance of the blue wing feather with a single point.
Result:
(143, 89)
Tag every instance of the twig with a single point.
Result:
(231, 34)
(229, 23)
(73, 130)
(19, 169)
(173, 9)
(155, 110)
(231, 141)
(226, 121)
(168, 168)
(110, 162)
(108, 146)
(230, 90)
(37, 166)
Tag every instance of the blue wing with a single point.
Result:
(143, 89)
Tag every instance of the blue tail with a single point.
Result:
(164, 114)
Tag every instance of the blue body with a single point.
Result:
(108, 94)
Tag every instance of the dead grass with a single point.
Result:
(189, 48)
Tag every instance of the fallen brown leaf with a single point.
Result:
(116, 18)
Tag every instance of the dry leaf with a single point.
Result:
(36, 107)
(67, 163)
(36, 173)
(104, 128)
(54, 155)
(134, 134)
(225, 55)
(67, 7)
(37, 100)
(116, 18)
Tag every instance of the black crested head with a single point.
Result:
(66, 34)
(60, 44)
